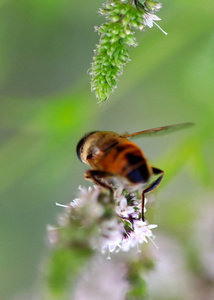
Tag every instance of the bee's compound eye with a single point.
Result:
(81, 143)
(79, 148)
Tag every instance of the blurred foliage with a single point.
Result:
(138, 288)
(63, 268)
(46, 106)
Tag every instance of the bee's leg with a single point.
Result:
(96, 176)
(151, 187)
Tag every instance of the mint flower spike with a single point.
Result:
(108, 227)
(116, 35)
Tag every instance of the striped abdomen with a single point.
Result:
(127, 160)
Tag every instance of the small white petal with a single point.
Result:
(123, 203)
(62, 205)
(149, 19)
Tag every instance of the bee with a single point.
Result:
(113, 155)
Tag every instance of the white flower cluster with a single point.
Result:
(123, 229)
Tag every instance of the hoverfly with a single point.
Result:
(112, 155)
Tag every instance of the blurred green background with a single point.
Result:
(46, 48)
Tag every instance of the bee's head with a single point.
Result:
(84, 145)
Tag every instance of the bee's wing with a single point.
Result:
(159, 130)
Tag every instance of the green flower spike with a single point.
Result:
(116, 35)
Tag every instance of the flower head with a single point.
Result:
(112, 226)
(116, 35)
